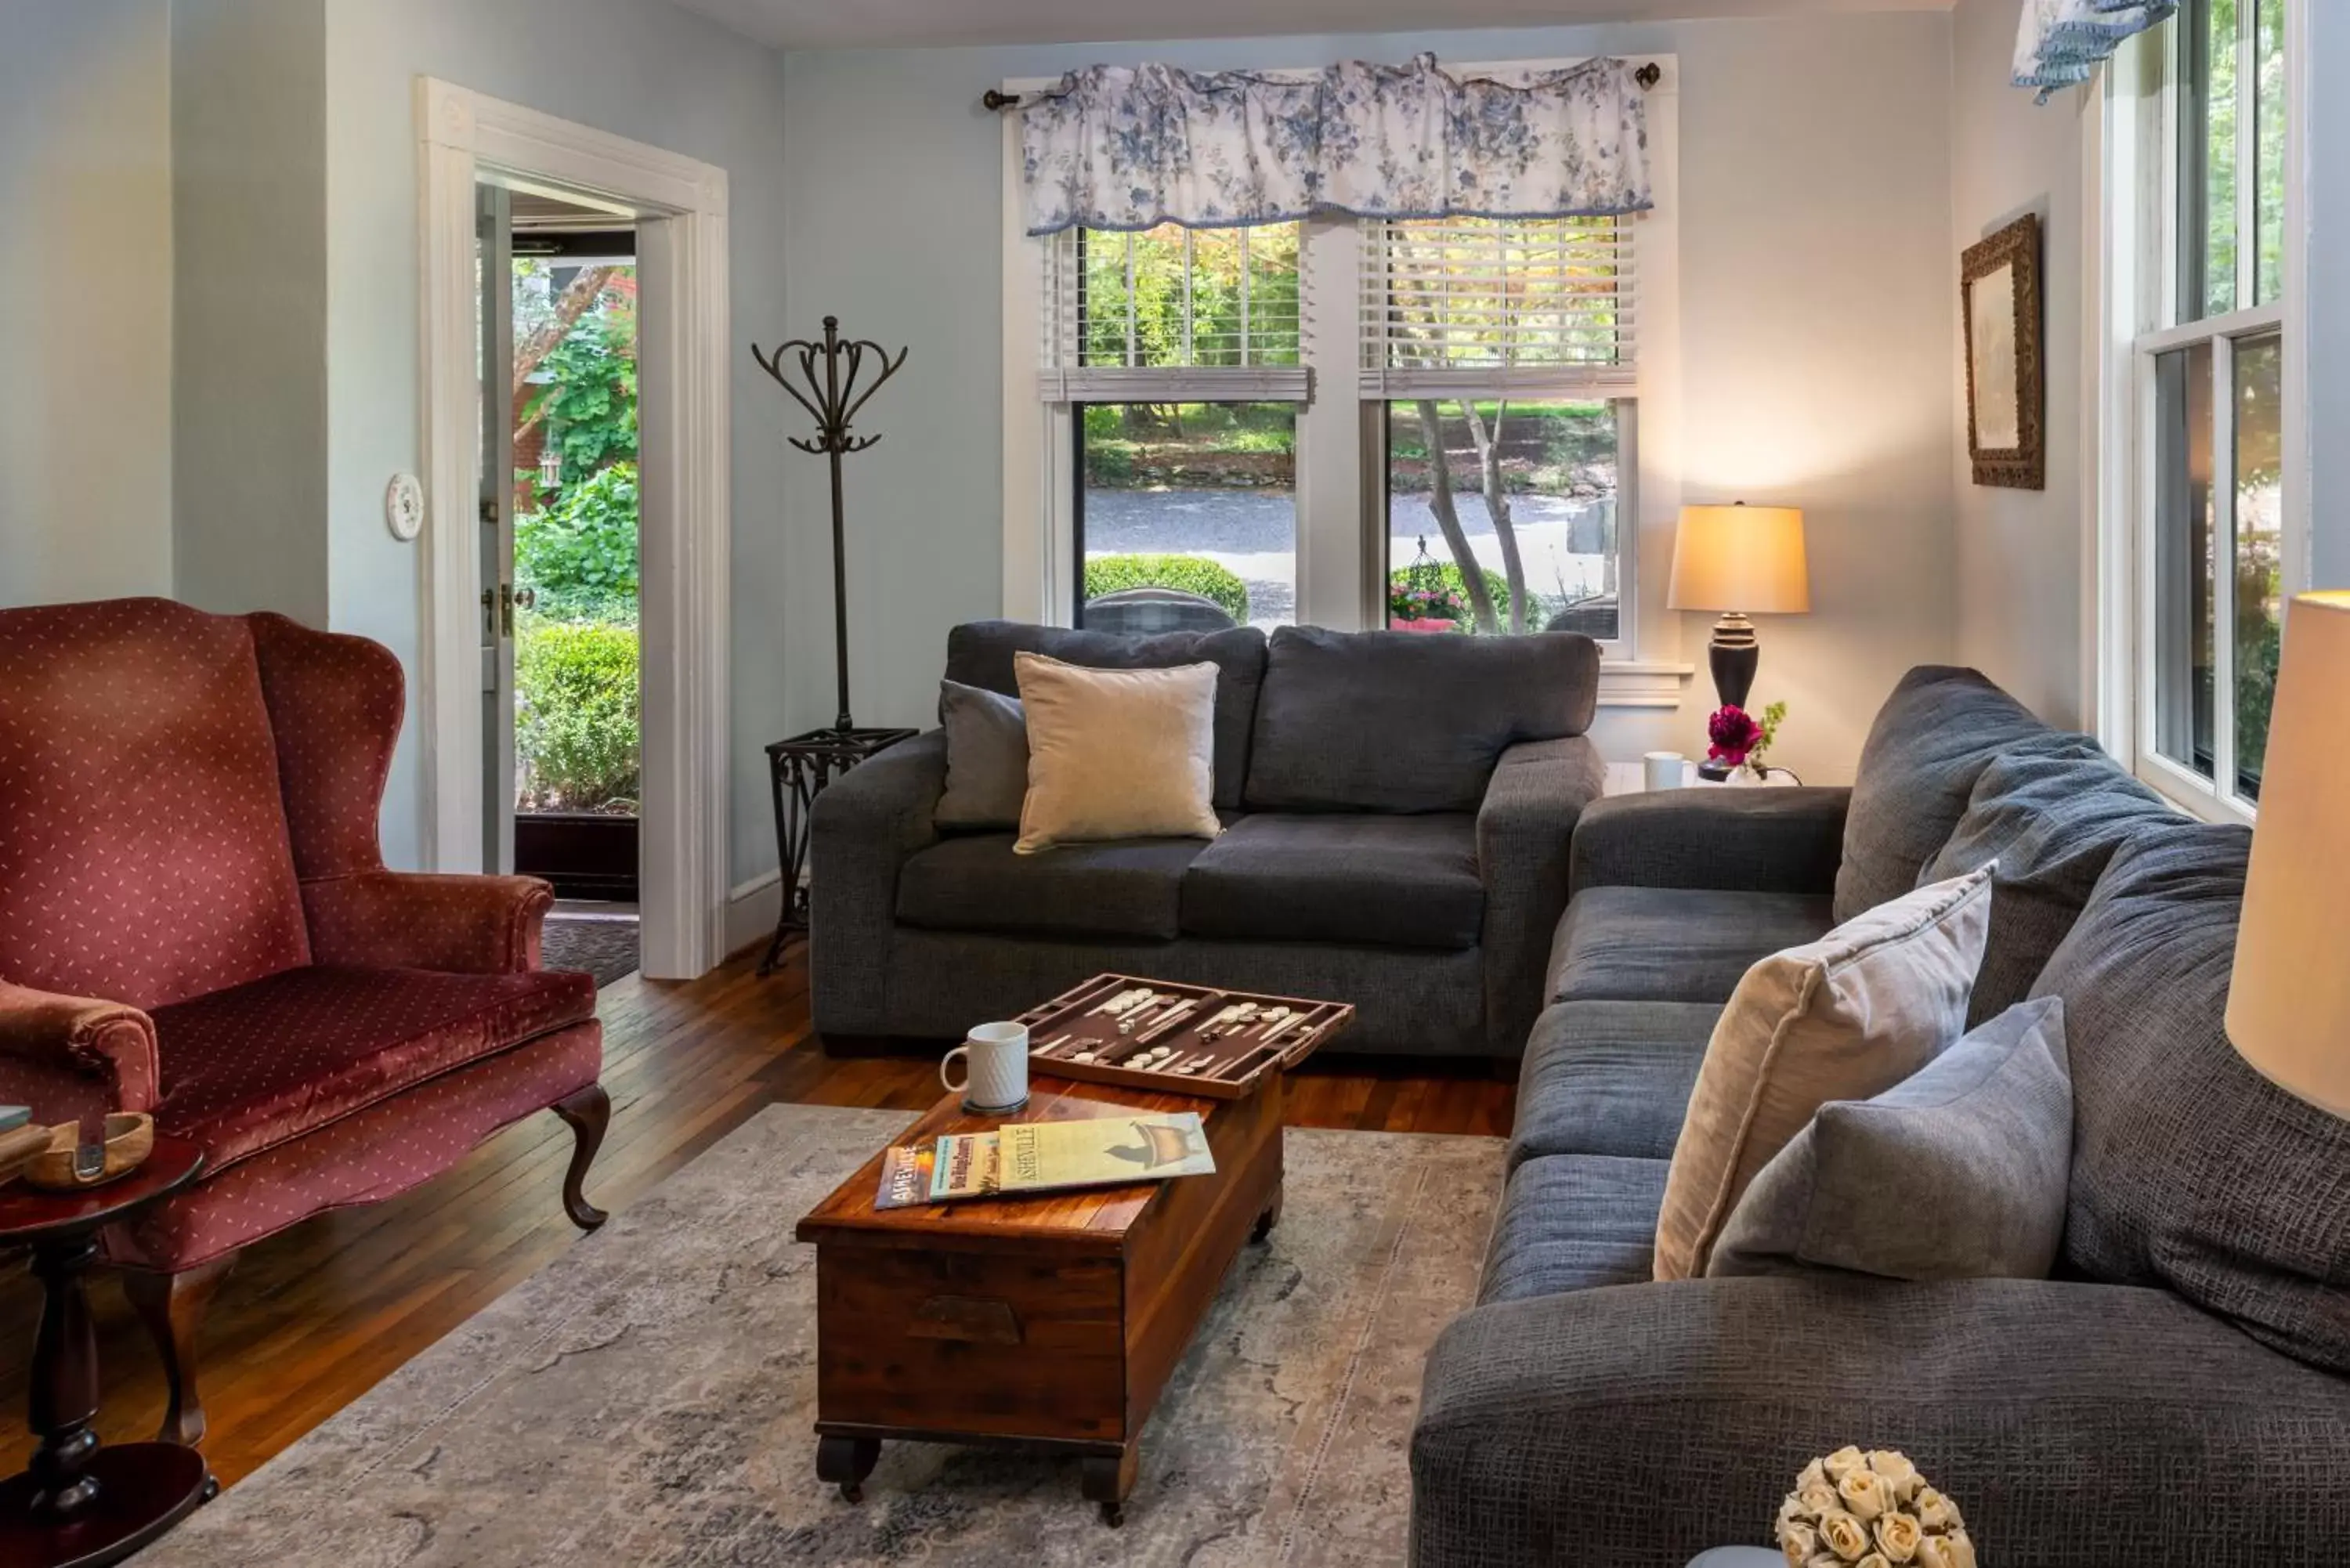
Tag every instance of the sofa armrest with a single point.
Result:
(862, 829)
(72, 1055)
(2088, 1426)
(1524, 827)
(1729, 840)
(404, 919)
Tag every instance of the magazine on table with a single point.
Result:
(1021, 1158)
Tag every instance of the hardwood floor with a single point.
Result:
(315, 1316)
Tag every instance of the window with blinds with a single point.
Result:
(1173, 315)
(1526, 307)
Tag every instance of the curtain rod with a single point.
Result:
(997, 99)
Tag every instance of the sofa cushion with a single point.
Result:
(976, 882)
(1574, 1222)
(981, 653)
(2051, 815)
(143, 849)
(987, 759)
(1673, 944)
(1389, 720)
(1846, 1017)
(2190, 1169)
(1609, 1077)
(1956, 1173)
(1116, 754)
(254, 1066)
(1929, 743)
(1393, 881)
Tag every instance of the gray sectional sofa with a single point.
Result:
(2177, 1395)
(1398, 814)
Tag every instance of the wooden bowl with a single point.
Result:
(130, 1140)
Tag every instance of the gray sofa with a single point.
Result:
(2177, 1395)
(1398, 814)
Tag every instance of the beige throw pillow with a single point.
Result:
(1843, 1018)
(1116, 754)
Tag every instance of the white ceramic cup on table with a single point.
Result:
(1666, 770)
(996, 1068)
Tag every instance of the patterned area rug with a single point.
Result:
(646, 1399)
(603, 945)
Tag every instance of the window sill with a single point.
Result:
(1642, 682)
(2191, 792)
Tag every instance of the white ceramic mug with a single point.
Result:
(1666, 770)
(995, 1067)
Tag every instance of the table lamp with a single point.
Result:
(2289, 1003)
(1739, 560)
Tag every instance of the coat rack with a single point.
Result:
(833, 398)
(832, 380)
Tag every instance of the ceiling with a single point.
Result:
(849, 24)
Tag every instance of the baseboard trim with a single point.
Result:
(751, 910)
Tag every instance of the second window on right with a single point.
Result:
(2211, 359)
(1500, 375)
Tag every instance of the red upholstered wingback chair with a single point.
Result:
(195, 920)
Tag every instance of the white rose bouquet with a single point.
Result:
(1870, 1511)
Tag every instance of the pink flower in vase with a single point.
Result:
(1733, 732)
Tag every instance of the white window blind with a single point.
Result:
(1172, 315)
(1542, 306)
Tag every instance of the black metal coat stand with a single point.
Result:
(829, 380)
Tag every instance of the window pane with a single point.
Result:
(2185, 563)
(1188, 515)
(1527, 491)
(2269, 51)
(1171, 296)
(2258, 512)
(2207, 158)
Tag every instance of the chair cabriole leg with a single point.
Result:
(590, 1112)
(173, 1307)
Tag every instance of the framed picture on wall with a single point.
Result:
(1999, 293)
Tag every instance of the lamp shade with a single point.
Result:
(2289, 1004)
(1747, 558)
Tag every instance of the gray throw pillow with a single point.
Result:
(1959, 1172)
(987, 758)
(2051, 813)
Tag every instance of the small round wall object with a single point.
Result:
(403, 506)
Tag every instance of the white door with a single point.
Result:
(493, 229)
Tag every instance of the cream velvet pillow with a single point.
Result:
(1843, 1018)
(1116, 754)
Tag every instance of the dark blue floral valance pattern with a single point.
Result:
(1114, 147)
(2061, 42)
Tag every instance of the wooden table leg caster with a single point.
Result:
(846, 1461)
(1106, 1478)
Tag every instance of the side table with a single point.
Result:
(799, 770)
(78, 1505)
(1631, 778)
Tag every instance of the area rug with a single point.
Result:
(646, 1399)
(603, 945)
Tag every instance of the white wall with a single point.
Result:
(1817, 323)
(86, 306)
(249, 382)
(2022, 554)
(640, 68)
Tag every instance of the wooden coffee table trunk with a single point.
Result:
(1051, 1321)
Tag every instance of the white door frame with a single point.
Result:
(684, 413)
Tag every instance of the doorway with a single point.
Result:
(562, 748)
(677, 207)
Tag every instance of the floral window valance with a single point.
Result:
(1113, 147)
(2061, 42)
